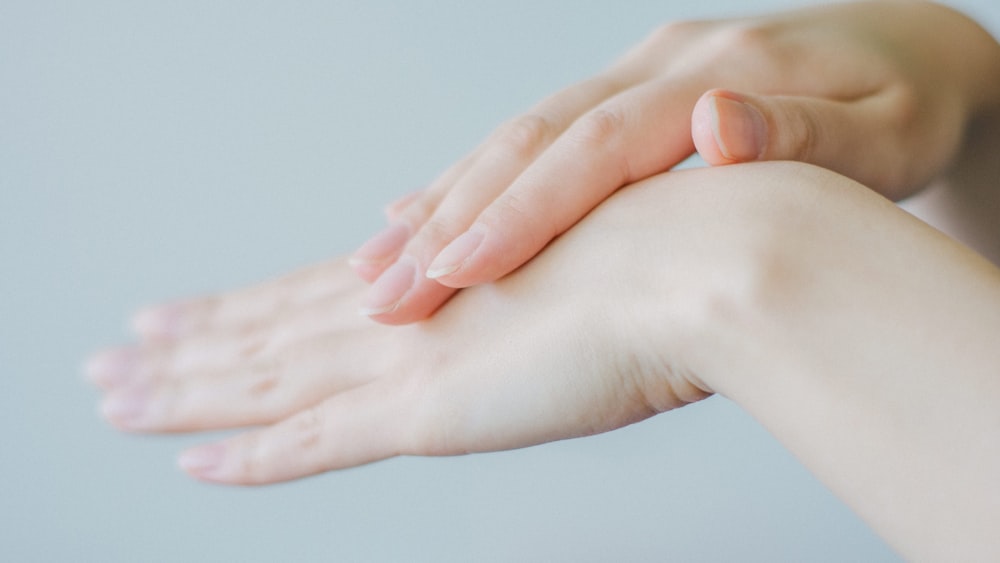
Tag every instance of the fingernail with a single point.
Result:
(397, 205)
(111, 367)
(389, 289)
(739, 129)
(453, 256)
(383, 246)
(201, 461)
(127, 406)
(158, 321)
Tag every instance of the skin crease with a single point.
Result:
(747, 280)
(881, 92)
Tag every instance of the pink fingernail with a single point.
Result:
(203, 460)
(454, 255)
(383, 246)
(127, 406)
(739, 129)
(397, 205)
(111, 367)
(388, 291)
(161, 321)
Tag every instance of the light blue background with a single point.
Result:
(149, 150)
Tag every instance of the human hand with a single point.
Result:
(802, 296)
(568, 346)
(598, 332)
(612, 324)
(878, 91)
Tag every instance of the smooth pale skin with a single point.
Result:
(864, 339)
(878, 91)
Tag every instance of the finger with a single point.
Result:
(439, 412)
(382, 249)
(395, 207)
(261, 389)
(868, 139)
(634, 135)
(365, 424)
(166, 322)
(113, 367)
(227, 347)
(267, 336)
(402, 293)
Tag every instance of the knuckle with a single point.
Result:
(697, 45)
(743, 37)
(435, 233)
(600, 127)
(509, 209)
(309, 428)
(745, 46)
(252, 344)
(672, 33)
(265, 385)
(514, 213)
(524, 136)
(807, 134)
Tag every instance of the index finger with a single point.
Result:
(638, 133)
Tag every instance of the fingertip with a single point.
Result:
(456, 280)
(702, 130)
(379, 252)
(158, 321)
(442, 272)
(494, 256)
(456, 257)
(390, 289)
(128, 408)
(468, 275)
(412, 304)
(111, 367)
(727, 128)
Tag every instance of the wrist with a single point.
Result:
(725, 255)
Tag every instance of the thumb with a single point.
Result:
(860, 138)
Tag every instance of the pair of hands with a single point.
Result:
(576, 342)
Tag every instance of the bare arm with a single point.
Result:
(861, 337)
(870, 350)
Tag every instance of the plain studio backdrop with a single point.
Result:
(150, 150)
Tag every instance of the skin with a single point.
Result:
(881, 92)
(861, 337)
(857, 334)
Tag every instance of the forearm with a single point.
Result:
(869, 349)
